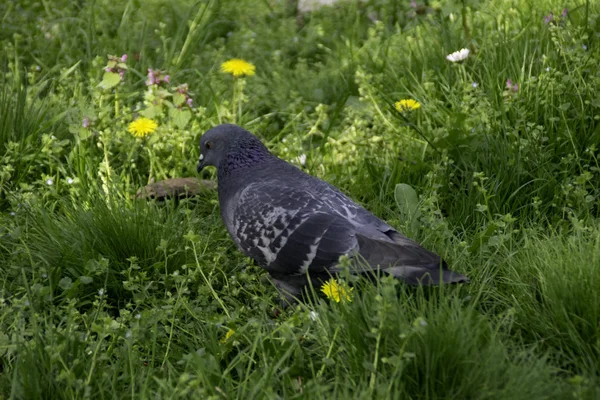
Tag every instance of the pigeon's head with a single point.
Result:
(229, 142)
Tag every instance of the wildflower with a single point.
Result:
(229, 334)
(116, 64)
(156, 77)
(457, 56)
(238, 67)
(547, 69)
(142, 127)
(301, 159)
(183, 89)
(12, 214)
(564, 12)
(336, 292)
(584, 47)
(70, 180)
(512, 86)
(407, 105)
(548, 18)
(150, 80)
(86, 122)
(101, 292)
(189, 101)
(474, 84)
(49, 182)
(313, 315)
(138, 316)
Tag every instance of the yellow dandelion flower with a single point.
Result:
(336, 291)
(229, 334)
(407, 105)
(238, 67)
(142, 127)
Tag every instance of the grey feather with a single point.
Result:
(292, 223)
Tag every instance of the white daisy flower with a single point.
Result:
(457, 56)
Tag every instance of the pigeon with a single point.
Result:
(297, 226)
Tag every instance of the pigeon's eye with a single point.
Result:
(208, 145)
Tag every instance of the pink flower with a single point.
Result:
(151, 80)
(107, 69)
(564, 12)
(189, 101)
(510, 86)
(548, 18)
(124, 58)
(167, 78)
(86, 122)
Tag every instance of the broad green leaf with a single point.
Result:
(110, 80)
(180, 117)
(152, 111)
(84, 133)
(65, 283)
(178, 99)
(408, 202)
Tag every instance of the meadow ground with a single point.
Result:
(492, 161)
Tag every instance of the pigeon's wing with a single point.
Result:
(366, 224)
(379, 244)
(364, 221)
(290, 230)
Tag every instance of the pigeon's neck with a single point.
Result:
(240, 163)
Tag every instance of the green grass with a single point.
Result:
(102, 296)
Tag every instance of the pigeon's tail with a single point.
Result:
(407, 261)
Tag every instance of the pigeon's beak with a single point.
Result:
(200, 163)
